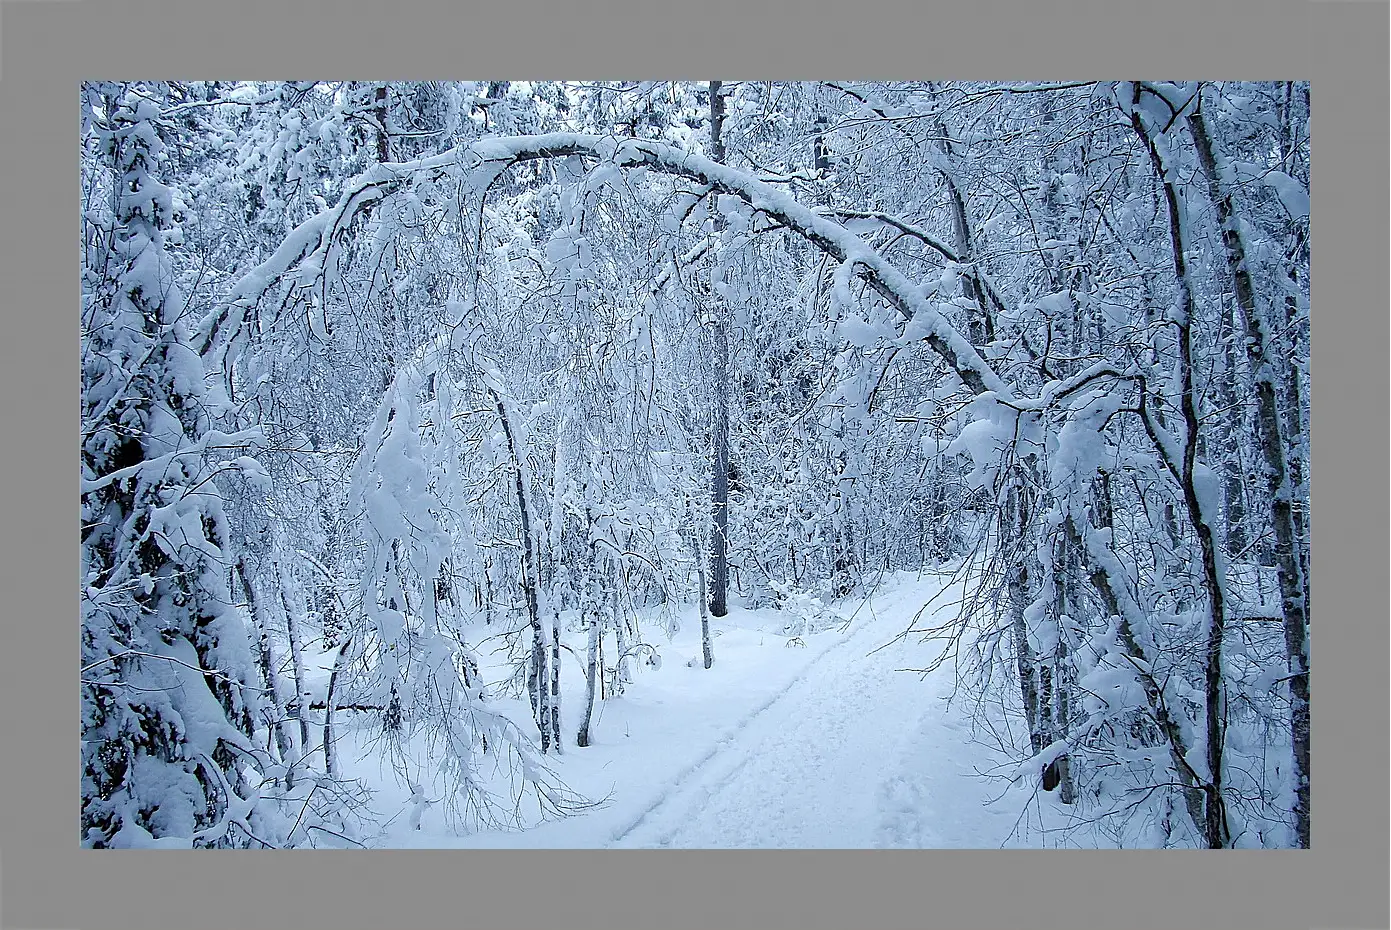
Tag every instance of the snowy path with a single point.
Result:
(834, 746)
(845, 757)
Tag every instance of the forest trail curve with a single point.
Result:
(820, 764)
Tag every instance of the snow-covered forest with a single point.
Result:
(695, 464)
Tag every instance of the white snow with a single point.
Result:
(827, 740)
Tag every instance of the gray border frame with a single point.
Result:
(48, 47)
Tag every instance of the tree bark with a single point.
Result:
(1234, 487)
(330, 754)
(296, 659)
(554, 702)
(537, 685)
(592, 663)
(1270, 432)
(719, 488)
(1013, 520)
(266, 660)
(706, 646)
(1214, 825)
(379, 113)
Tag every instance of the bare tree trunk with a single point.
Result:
(621, 675)
(1294, 396)
(1294, 389)
(1234, 487)
(379, 113)
(706, 646)
(592, 662)
(1292, 386)
(1053, 697)
(292, 619)
(284, 742)
(1271, 436)
(719, 539)
(1013, 520)
(554, 703)
(537, 689)
(1215, 829)
(330, 753)
(1062, 766)
(706, 649)
(488, 591)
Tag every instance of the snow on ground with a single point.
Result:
(827, 742)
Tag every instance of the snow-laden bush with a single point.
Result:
(806, 612)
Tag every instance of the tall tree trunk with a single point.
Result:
(1233, 473)
(700, 544)
(1053, 697)
(265, 659)
(1014, 520)
(719, 488)
(330, 750)
(554, 703)
(590, 608)
(379, 114)
(621, 675)
(1293, 388)
(1271, 436)
(538, 688)
(292, 619)
(706, 649)
(1294, 398)
(1215, 831)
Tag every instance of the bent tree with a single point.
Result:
(1013, 343)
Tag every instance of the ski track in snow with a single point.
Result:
(850, 750)
(841, 758)
(730, 738)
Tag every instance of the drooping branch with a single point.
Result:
(307, 247)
